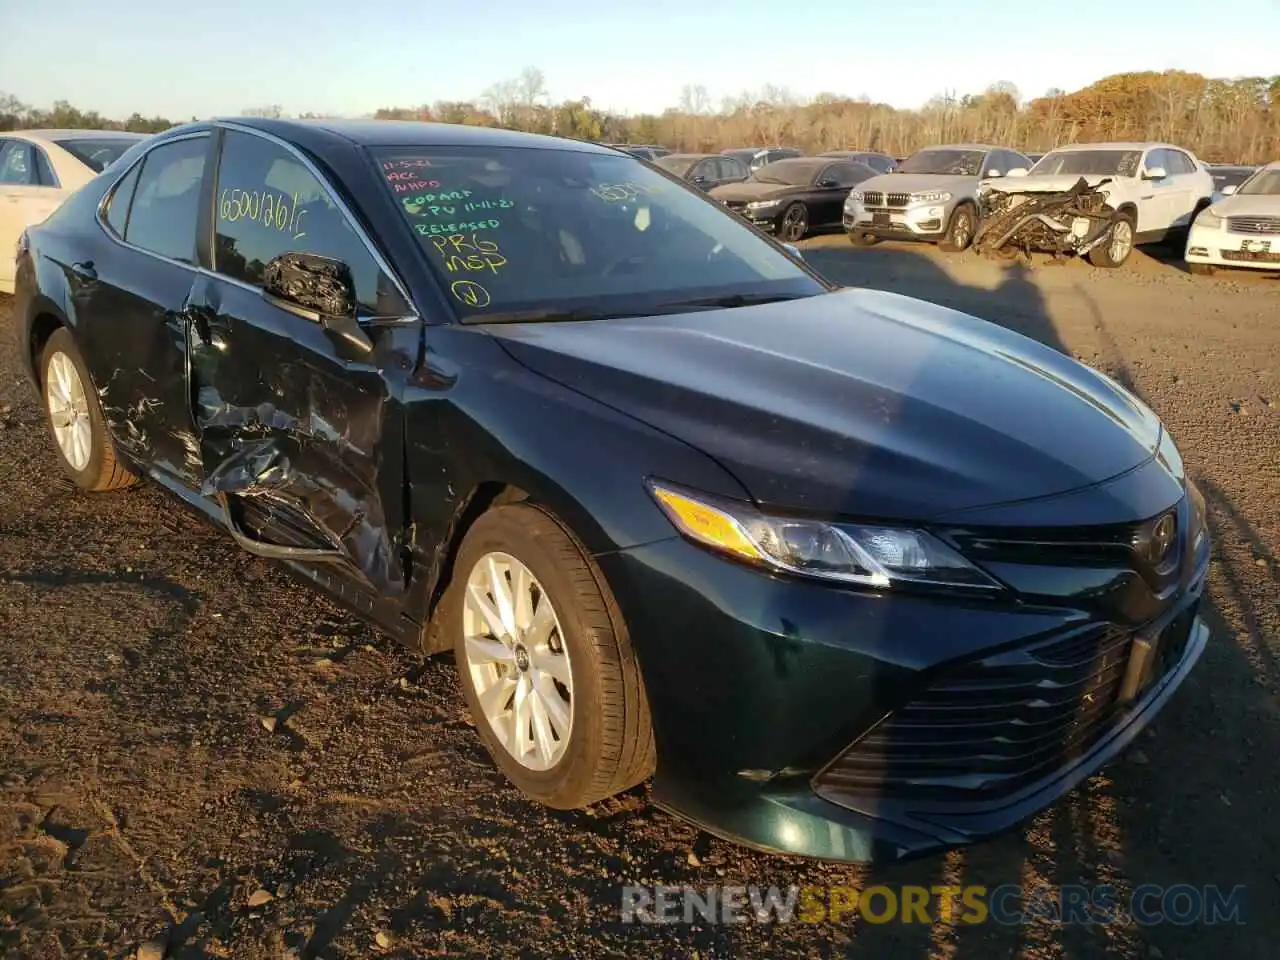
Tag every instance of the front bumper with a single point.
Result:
(922, 221)
(1221, 247)
(760, 687)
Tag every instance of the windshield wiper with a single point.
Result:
(550, 316)
(731, 300)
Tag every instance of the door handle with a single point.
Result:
(84, 270)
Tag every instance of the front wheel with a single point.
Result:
(1201, 269)
(76, 421)
(545, 662)
(860, 239)
(960, 231)
(1118, 244)
(794, 223)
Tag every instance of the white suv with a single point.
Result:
(1152, 192)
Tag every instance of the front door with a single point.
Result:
(300, 428)
(130, 295)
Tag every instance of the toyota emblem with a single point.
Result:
(1162, 533)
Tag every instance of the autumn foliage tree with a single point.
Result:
(1219, 119)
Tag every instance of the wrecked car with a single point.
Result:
(849, 574)
(1094, 200)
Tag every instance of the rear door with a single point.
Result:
(1187, 192)
(131, 292)
(300, 432)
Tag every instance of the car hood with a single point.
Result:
(1047, 183)
(856, 402)
(918, 183)
(748, 191)
(1249, 205)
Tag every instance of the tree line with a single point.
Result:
(1221, 120)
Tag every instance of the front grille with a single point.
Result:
(1253, 224)
(1252, 256)
(876, 198)
(985, 729)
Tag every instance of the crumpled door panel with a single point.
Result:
(293, 433)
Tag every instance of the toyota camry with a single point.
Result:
(848, 574)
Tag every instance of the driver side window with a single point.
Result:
(268, 202)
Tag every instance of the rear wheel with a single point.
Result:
(76, 421)
(960, 231)
(545, 663)
(1115, 249)
(794, 223)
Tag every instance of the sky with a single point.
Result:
(180, 60)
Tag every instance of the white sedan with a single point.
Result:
(39, 169)
(1242, 229)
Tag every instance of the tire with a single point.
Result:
(861, 239)
(67, 391)
(1202, 269)
(1103, 255)
(606, 746)
(794, 223)
(960, 229)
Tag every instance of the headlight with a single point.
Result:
(1199, 521)
(761, 204)
(934, 196)
(865, 554)
(855, 196)
(1208, 219)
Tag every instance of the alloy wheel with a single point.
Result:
(1121, 241)
(962, 230)
(518, 661)
(68, 411)
(795, 223)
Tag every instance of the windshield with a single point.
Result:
(793, 172)
(96, 153)
(1110, 163)
(1262, 183)
(963, 163)
(676, 164)
(510, 230)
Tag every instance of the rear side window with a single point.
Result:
(45, 176)
(96, 153)
(268, 203)
(118, 205)
(166, 202)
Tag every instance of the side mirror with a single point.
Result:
(316, 288)
(991, 174)
(828, 183)
(1017, 172)
(1155, 173)
(699, 179)
(1228, 191)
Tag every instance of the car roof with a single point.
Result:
(406, 133)
(52, 136)
(1119, 145)
(966, 146)
(689, 156)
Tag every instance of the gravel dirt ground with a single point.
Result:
(201, 757)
